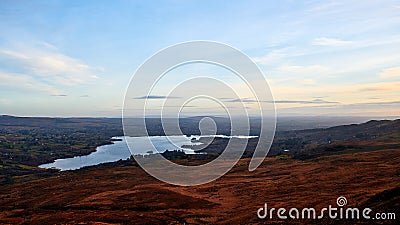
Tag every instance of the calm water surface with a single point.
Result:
(119, 150)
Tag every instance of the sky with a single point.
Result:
(76, 58)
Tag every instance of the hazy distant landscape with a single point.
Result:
(27, 142)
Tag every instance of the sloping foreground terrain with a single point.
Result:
(122, 193)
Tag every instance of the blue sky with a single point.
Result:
(75, 58)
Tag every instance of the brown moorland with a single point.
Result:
(122, 193)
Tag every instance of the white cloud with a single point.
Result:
(323, 41)
(390, 72)
(48, 45)
(50, 65)
(304, 70)
(26, 83)
(272, 57)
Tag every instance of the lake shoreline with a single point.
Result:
(118, 149)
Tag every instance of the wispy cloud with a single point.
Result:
(390, 72)
(374, 89)
(322, 7)
(324, 41)
(272, 57)
(244, 100)
(48, 45)
(314, 101)
(379, 87)
(277, 56)
(26, 83)
(367, 108)
(304, 70)
(378, 103)
(342, 49)
(155, 97)
(180, 106)
(49, 64)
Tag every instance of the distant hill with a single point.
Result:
(6, 120)
(371, 130)
(312, 143)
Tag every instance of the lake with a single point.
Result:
(119, 150)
